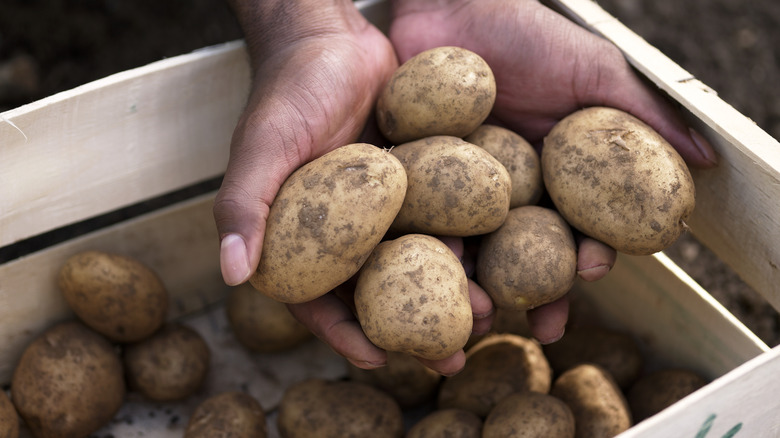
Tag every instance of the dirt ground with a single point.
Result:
(733, 46)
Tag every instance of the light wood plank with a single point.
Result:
(743, 401)
(179, 243)
(738, 204)
(676, 321)
(119, 140)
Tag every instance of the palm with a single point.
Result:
(545, 66)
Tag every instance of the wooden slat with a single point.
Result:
(179, 243)
(119, 140)
(738, 204)
(742, 403)
(677, 322)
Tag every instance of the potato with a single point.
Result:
(68, 382)
(447, 423)
(615, 179)
(529, 261)
(616, 351)
(327, 218)
(405, 378)
(529, 414)
(454, 188)
(441, 91)
(600, 408)
(228, 414)
(412, 297)
(262, 324)
(518, 157)
(334, 409)
(115, 295)
(9, 419)
(496, 366)
(170, 365)
(658, 390)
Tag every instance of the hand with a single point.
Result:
(317, 70)
(546, 67)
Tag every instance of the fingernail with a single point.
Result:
(234, 260)
(483, 315)
(594, 273)
(704, 147)
(366, 365)
(555, 338)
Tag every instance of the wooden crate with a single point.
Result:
(146, 132)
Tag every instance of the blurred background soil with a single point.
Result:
(47, 46)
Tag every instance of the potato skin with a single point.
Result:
(68, 382)
(496, 366)
(518, 157)
(262, 324)
(447, 423)
(412, 297)
(616, 351)
(405, 378)
(656, 391)
(228, 414)
(617, 180)
(316, 408)
(326, 219)
(455, 188)
(9, 419)
(441, 91)
(529, 261)
(170, 365)
(600, 409)
(529, 414)
(115, 295)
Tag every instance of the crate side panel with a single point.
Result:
(179, 243)
(743, 403)
(119, 140)
(677, 321)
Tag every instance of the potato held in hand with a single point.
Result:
(617, 180)
(518, 156)
(455, 188)
(412, 296)
(441, 91)
(531, 260)
(327, 218)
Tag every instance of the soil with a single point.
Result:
(47, 46)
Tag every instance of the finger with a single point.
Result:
(332, 322)
(446, 367)
(243, 202)
(482, 309)
(548, 322)
(624, 89)
(594, 259)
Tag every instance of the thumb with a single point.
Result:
(264, 151)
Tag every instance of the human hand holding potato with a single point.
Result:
(546, 67)
(316, 73)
